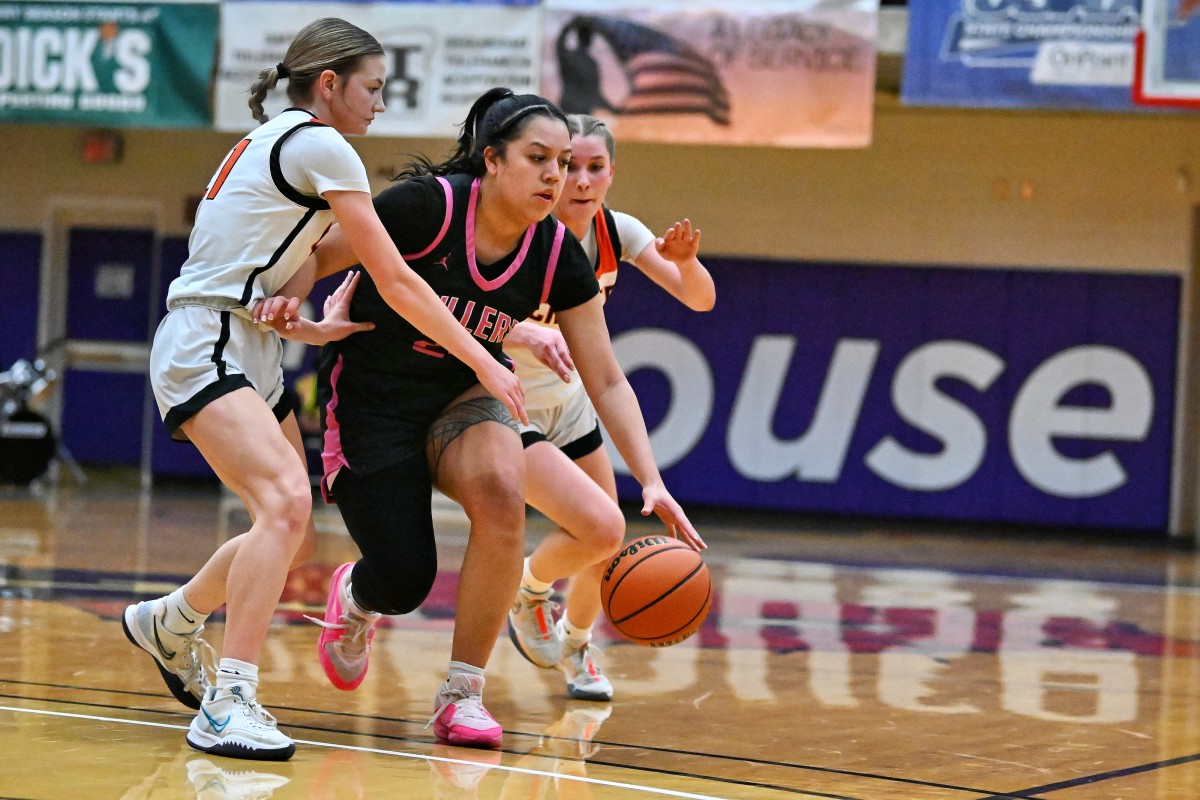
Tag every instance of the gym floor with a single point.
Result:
(841, 659)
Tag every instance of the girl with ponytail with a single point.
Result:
(216, 365)
(402, 415)
(571, 479)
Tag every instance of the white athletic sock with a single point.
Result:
(463, 668)
(352, 604)
(532, 584)
(576, 637)
(230, 670)
(181, 617)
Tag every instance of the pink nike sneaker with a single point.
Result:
(345, 643)
(461, 718)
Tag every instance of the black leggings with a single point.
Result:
(389, 517)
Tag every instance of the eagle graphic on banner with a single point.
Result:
(665, 76)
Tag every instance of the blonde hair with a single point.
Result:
(328, 43)
(586, 125)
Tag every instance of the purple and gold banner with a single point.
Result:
(797, 74)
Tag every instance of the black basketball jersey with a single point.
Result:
(394, 373)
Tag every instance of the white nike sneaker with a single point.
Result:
(585, 680)
(185, 661)
(232, 723)
(531, 628)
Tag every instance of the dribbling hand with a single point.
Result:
(656, 499)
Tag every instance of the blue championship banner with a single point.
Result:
(1075, 54)
(1020, 396)
(108, 64)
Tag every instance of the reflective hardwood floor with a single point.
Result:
(841, 659)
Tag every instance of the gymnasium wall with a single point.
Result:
(981, 196)
(938, 186)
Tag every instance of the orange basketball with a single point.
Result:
(657, 591)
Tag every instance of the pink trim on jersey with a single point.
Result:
(487, 285)
(332, 457)
(429, 348)
(552, 264)
(445, 223)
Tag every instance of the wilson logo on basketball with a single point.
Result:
(634, 547)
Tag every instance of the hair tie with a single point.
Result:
(283, 71)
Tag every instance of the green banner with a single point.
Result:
(117, 65)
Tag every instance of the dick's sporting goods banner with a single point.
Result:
(787, 74)
(1035, 397)
(109, 64)
(1021, 53)
(441, 57)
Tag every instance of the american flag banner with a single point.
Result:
(783, 73)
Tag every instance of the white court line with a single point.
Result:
(400, 753)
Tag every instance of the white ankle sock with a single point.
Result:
(463, 668)
(230, 670)
(532, 584)
(576, 637)
(181, 617)
(351, 603)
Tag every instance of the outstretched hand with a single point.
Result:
(283, 314)
(336, 323)
(680, 243)
(657, 500)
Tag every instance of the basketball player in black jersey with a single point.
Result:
(399, 412)
(217, 375)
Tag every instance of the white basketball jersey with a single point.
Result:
(543, 388)
(262, 212)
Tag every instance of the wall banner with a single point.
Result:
(1170, 54)
(107, 64)
(441, 57)
(1038, 397)
(794, 74)
(1021, 53)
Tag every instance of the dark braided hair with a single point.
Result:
(497, 117)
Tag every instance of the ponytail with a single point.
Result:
(496, 118)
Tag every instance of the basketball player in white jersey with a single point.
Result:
(217, 375)
(569, 475)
